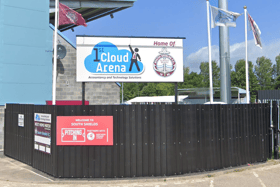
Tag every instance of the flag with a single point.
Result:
(220, 17)
(256, 31)
(69, 16)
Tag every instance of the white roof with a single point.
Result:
(156, 99)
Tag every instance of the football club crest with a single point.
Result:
(164, 64)
(72, 17)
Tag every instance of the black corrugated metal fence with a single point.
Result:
(149, 140)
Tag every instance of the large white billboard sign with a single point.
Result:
(116, 59)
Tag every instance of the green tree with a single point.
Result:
(129, 91)
(277, 83)
(186, 70)
(263, 71)
(132, 90)
(149, 90)
(238, 78)
(192, 80)
(165, 89)
(204, 71)
(276, 68)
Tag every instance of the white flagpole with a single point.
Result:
(246, 57)
(209, 53)
(55, 52)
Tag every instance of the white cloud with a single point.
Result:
(237, 52)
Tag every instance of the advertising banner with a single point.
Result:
(84, 130)
(124, 59)
(42, 132)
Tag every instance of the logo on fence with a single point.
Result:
(37, 117)
(73, 135)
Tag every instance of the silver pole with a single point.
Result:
(246, 58)
(55, 52)
(278, 121)
(122, 92)
(209, 53)
(271, 125)
(224, 59)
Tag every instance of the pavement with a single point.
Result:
(14, 173)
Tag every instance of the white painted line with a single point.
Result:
(30, 171)
(267, 167)
(257, 176)
(107, 135)
(212, 183)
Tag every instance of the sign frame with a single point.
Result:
(129, 59)
(42, 132)
(84, 131)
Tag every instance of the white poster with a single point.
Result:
(21, 120)
(116, 59)
(42, 132)
(41, 117)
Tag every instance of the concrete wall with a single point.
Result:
(25, 52)
(68, 89)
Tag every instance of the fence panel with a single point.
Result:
(148, 140)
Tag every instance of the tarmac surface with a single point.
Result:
(14, 173)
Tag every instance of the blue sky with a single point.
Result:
(187, 18)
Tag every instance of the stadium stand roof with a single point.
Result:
(91, 9)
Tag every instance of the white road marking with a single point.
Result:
(268, 167)
(257, 176)
(197, 181)
(212, 183)
(30, 171)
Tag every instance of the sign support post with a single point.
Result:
(55, 53)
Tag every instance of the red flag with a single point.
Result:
(256, 31)
(69, 16)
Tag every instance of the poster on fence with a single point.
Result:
(84, 130)
(21, 120)
(129, 59)
(42, 132)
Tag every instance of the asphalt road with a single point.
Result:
(14, 173)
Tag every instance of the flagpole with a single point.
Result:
(55, 53)
(246, 57)
(209, 53)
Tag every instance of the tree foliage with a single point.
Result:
(204, 71)
(276, 68)
(277, 83)
(238, 78)
(263, 71)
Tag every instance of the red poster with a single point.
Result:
(84, 130)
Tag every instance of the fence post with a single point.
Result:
(270, 131)
(275, 129)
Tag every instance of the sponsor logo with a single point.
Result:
(37, 117)
(90, 136)
(106, 58)
(73, 135)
